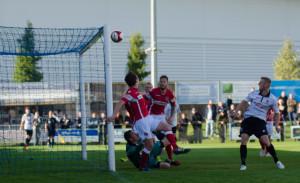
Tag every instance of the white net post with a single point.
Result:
(109, 98)
(82, 107)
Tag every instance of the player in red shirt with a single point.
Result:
(148, 88)
(269, 125)
(160, 97)
(143, 123)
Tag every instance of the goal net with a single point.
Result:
(53, 102)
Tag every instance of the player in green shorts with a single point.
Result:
(134, 147)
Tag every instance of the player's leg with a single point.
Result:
(243, 149)
(26, 139)
(262, 150)
(170, 136)
(148, 145)
(261, 132)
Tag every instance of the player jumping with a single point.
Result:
(160, 97)
(143, 123)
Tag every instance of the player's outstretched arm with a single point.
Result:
(241, 106)
(116, 110)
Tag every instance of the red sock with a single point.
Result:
(171, 138)
(145, 156)
(262, 146)
(169, 151)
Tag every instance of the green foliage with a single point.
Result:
(137, 56)
(26, 69)
(287, 65)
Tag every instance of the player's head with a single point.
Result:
(148, 87)
(27, 110)
(163, 82)
(264, 83)
(131, 137)
(131, 79)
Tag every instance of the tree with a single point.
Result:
(26, 69)
(137, 56)
(287, 65)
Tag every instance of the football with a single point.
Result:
(116, 36)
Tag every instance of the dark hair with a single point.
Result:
(268, 80)
(130, 79)
(164, 76)
(127, 136)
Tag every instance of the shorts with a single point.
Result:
(269, 127)
(144, 127)
(51, 132)
(253, 125)
(160, 117)
(156, 151)
(29, 132)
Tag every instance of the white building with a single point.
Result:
(197, 39)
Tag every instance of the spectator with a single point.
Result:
(93, 122)
(102, 128)
(37, 122)
(228, 102)
(291, 108)
(65, 122)
(297, 117)
(282, 124)
(197, 126)
(221, 123)
(119, 121)
(183, 128)
(59, 114)
(220, 107)
(127, 120)
(284, 99)
(231, 119)
(210, 122)
(78, 126)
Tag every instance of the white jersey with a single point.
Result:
(260, 105)
(28, 120)
(168, 113)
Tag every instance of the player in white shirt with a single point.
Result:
(27, 120)
(168, 114)
(255, 119)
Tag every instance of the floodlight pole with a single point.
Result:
(109, 97)
(153, 45)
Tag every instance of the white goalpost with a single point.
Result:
(49, 69)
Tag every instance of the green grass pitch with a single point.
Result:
(210, 161)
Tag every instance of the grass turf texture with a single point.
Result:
(210, 161)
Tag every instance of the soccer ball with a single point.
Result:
(116, 36)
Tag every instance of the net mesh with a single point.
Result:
(40, 70)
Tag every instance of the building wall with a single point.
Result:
(197, 39)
